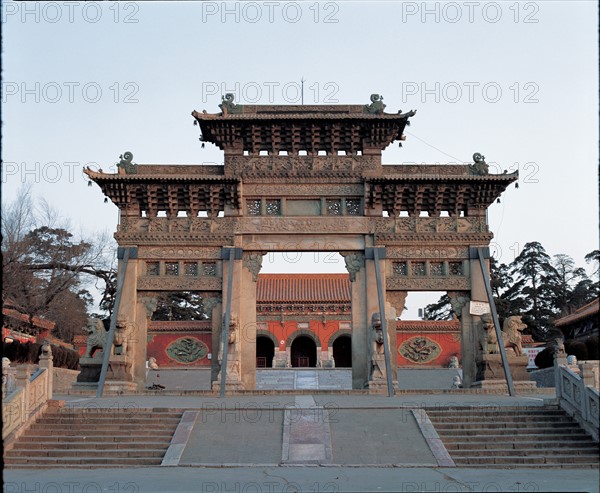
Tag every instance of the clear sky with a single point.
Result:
(516, 81)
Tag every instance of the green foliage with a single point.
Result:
(536, 286)
(179, 305)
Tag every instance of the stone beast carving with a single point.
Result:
(96, 336)
(122, 335)
(378, 370)
(231, 337)
(511, 334)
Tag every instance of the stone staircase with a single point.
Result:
(94, 437)
(514, 437)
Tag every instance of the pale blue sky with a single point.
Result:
(170, 61)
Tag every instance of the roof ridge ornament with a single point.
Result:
(125, 166)
(480, 167)
(376, 107)
(227, 105)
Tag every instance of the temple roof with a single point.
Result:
(586, 311)
(289, 128)
(303, 288)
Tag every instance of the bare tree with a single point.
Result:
(44, 266)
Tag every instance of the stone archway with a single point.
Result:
(342, 351)
(303, 352)
(265, 351)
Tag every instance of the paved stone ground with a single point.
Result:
(298, 479)
(305, 379)
(364, 431)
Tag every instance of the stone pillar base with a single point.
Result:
(380, 386)
(499, 385)
(490, 367)
(229, 386)
(118, 374)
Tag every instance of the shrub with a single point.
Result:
(591, 343)
(545, 358)
(577, 349)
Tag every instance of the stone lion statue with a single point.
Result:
(231, 337)
(122, 331)
(511, 333)
(377, 333)
(96, 336)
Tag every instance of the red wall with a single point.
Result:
(448, 342)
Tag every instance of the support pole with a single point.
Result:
(386, 344)
(225, 331)
(113, 324)
(488, 289)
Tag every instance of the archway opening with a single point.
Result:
(265, 350)
(342, 352)
(304, 352)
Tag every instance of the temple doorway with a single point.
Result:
(303, 353)
(342, 352)
(265, 350)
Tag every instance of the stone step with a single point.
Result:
(78, 462)
(89, 445)
(107, 420)
(502, 425)
(508, 433)
(86, 454)
(485, 444)
(524, 452)
(522, 437)
(148, 437)
(99, 429)
(98, 433)
(519, 461)
(513, 419)
(582, 465)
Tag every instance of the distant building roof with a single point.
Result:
(586, 311)
(303, 288)
(39, 322)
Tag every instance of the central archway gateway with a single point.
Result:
(301, 178)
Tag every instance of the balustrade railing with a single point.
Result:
(577, 392)
(27, 396)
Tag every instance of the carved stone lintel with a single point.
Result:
(253, 262)
(405, 283)
(354, 262)
(175, 283)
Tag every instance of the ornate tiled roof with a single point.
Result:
(589, 310)
(303, 288)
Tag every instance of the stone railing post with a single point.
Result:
(46, 362)
(22, 382)
(560, 359)
(5, 376)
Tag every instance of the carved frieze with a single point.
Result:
(213, 253)
(311, 190)
(300, 164)
(428, 283)
(427, 252)
(166, 283)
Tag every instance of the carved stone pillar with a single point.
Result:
(243, 304)
(469, 339)
(355, 264)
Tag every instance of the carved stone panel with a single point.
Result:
(302, 189)
(164, 283)
(428, 284)
(180, 252)
(299, 164)
(428, 252)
